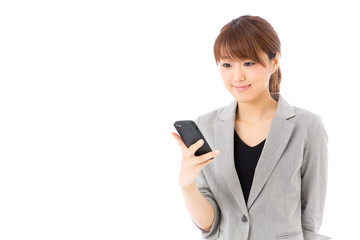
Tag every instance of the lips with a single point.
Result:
(241, 88)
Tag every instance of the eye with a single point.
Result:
(226, 65)
(248, 64)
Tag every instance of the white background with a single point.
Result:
(89, 92)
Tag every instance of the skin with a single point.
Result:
(255, 110)
(256, 107)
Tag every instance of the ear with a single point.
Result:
(275, 62)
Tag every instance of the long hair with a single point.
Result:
(245, 38)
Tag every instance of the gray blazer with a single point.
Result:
(288, 192)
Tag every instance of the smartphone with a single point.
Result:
(190, 133)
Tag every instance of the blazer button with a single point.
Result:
(244, 219)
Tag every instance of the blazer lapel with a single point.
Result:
(276, 141)
(224, 141)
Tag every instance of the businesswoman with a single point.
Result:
(268, 176)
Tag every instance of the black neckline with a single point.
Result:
(253, 147)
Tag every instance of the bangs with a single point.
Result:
(238, 44)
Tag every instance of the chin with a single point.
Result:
(244, 98)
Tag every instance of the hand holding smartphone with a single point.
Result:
(195, 155)
(190, 133)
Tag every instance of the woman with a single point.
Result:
(268, 176)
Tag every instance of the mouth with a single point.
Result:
(241, 88)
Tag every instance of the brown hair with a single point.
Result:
(244, 38)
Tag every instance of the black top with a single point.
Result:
(246, 159)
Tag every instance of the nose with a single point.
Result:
(238, 73)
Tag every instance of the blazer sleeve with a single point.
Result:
(205, 190)
(314, 173)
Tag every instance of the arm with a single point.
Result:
(212, 231)
(199, 208)
(314, 180)
(197, 195)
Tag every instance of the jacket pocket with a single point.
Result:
(290, 235)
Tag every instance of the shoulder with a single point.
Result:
(307, 117)
(208, 118)
(208, 121)
(311, 123)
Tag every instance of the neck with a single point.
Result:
(261, 108)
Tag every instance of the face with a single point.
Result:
(246, 80)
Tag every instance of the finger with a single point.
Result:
(179, 141)
(203, 164)
(207, 156)
(194, 147)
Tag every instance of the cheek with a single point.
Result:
(258, 74)
(225, 76)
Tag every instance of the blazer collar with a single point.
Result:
(276, 141)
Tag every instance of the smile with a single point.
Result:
(241, 89)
